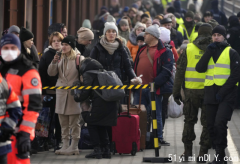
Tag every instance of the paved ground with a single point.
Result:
(172, 134)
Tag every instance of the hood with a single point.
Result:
(177, 6)
(133, 38)
(214, 5)
(202, 42)
(89, 64)
(233, 21)
(48, 48)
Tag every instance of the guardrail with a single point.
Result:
(230, 7)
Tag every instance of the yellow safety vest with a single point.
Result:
(179, 21)
(189, 36)
(218, 73)
(165, 2)
(193, 79)
(194, 36)
(180, 29)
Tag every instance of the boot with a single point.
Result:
(220, 154)
(57, 145)
(201, 157)
(187, 155)
(97, 153)
(106, 152)
(72, 149)
(64, 147)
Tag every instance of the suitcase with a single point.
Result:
(126, 135)
(141, 111)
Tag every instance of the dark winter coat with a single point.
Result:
(45, 61)
(103, 113)
(158, 8)
(162, 68)
(233, 36)
(219, 16)
(176, 37)
(33, 56)
(228, 91)
(119, 62)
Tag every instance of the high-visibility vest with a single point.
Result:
(218, 73)
(191, 35)
(165, 2)
(180, 29)
(193, 79)
(194, 36)
(179, 21)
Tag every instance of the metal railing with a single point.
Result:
(230, 7)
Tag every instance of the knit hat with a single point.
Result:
(205, 29)
(177, 6)
(213, 23)
(110, 25)
(189, 14)
(10, 39)
(14, 28)
(192, 8)
(141, 36)
(144, 15)
(126, 9)
(154, 31)
(238, 15)
(104, 8)
(139, 13)
(110, 18)
(171, 10)
(134, 5)
(233, 21)
(198, 24)
(85, 34)
(132, 9)
(139, 24)
(219, 29)
(123, 22)
(25, 34)
(87, 24)
(156, 22)
(207, 13)
(166, 20)
(165, 35)
(70, 40)
(197, 17)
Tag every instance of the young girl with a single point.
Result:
(124, 29)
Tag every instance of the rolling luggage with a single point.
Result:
(126, 135)
(141, 111)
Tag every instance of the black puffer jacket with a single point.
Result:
(233, 36)
(45, 61)
(103, 113)
(176, 37)
(119, 62)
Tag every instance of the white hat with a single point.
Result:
(165, 35)
(110, 25)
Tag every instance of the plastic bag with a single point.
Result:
(174, 110)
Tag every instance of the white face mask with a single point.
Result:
(9, 55)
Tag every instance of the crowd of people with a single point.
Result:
(191, 55)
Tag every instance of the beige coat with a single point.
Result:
(65, 103)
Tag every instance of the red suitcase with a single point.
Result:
(126, 135)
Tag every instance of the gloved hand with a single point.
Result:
(23, 142)
(5, 134)
(178, 99)
(218, 98)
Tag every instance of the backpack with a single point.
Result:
(109, 78)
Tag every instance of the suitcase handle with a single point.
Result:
(125, 114)
(129, 100)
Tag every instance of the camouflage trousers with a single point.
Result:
(193, 101)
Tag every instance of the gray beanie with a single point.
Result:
(154, 31)
(87, 24)
(110, 18)
(14, 28)
(123, 22)
(110, 25)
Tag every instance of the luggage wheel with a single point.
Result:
(134, 149)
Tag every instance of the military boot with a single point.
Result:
(187, 155)
(202, 153)
(219, 156)
(97, 153)
(106, 152)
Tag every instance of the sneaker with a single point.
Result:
(163, 143)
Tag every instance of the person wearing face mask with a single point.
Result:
(67, 109)
(26, 38)
(26, 83)
(189, 25)
(132, 42)
(221, 64)
(55, 40)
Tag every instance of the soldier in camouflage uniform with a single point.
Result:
(194, 92)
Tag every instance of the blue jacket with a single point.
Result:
(162, 68)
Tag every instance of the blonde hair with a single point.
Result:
(72, 55)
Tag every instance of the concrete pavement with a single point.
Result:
(173, 134)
